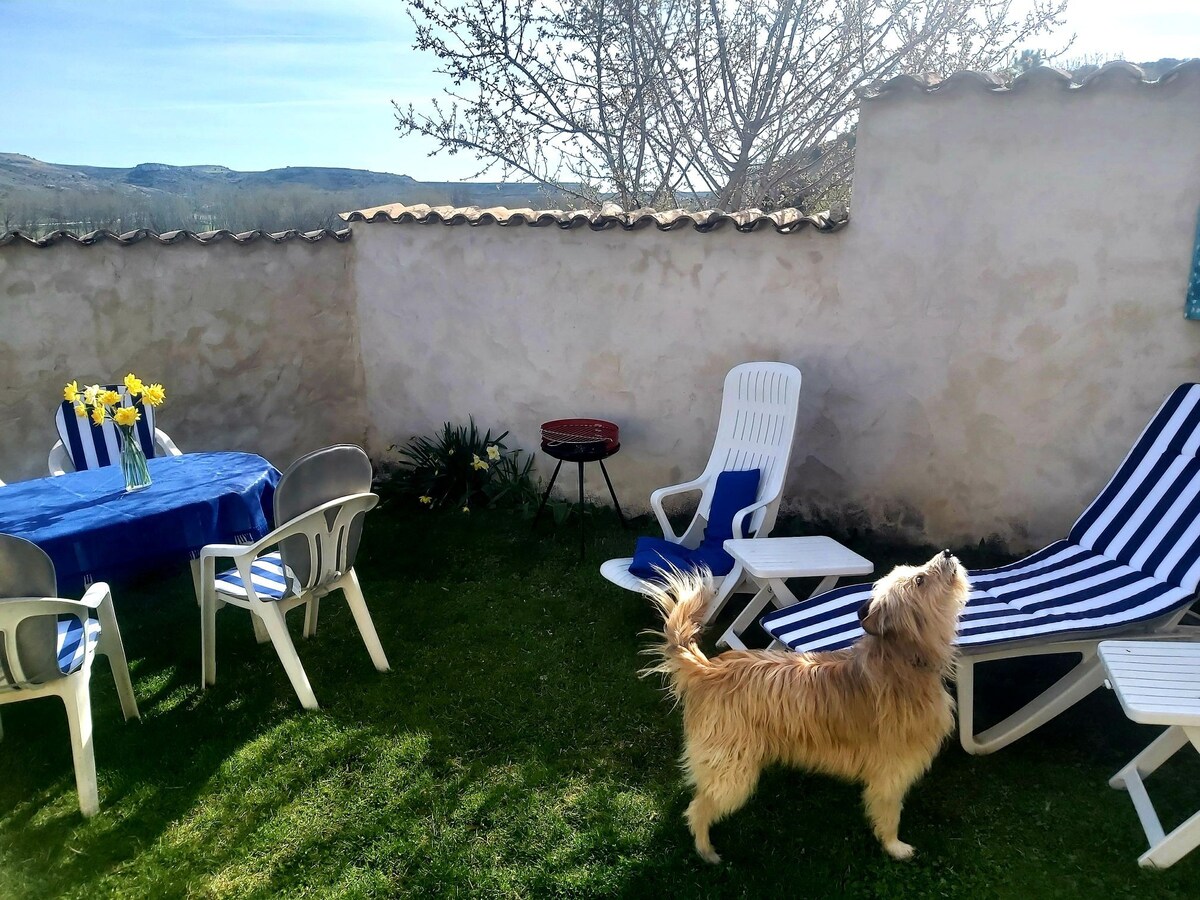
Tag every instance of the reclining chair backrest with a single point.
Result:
(93, 446)
(755, 431)
(1148, 516)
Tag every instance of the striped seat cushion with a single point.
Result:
(272, 580)
(72, 637)
(95, 446)
(1063, 589)
(1133, 557)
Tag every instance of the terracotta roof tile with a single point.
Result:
(784, 221)
(998, 84)
(171, 237)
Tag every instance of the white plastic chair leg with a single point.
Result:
(362, 618)
(1087, 676)
(112, 647)
(276, 627)
(76, 698)
(208, 639)
(260, 633)
(311, 609)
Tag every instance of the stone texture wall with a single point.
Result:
(979, 347)
(257, 345)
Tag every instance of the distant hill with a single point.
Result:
(37, 196)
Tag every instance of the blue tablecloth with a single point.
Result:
(94, 531)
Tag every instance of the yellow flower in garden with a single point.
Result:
(71, 391)
(426, 499)
(98, 415)
(80, 410)
(133, 384)
(110, 398)
(466, 509)
(494, 453)
(477, 463)
(153, 394)
(127, 415)
(90, 394)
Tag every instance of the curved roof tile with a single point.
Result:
(1118, 70)
(171, 237)
(610, 215)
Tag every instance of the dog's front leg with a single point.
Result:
(883, 801)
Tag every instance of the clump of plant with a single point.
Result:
(461, 468)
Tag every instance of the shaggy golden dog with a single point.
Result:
(874, 713)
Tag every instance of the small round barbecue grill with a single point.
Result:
(580, 441)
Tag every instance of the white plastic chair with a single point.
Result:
(47, 645)
(321, 501)
(83, 445)
(755, 431)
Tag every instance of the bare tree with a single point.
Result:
(653, 102)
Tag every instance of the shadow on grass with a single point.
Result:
(511, 751)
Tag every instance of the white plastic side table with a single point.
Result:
(1158, 683)
(771, 561)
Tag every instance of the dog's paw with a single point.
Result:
(899, 850)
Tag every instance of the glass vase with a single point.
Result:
(133, 461)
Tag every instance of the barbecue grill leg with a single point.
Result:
(546, 496)
(581, 549)
(613, 494)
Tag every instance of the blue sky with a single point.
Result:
(258, 84)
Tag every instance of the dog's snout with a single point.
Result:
(864, 610)
(946, 554)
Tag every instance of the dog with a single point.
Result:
(876, 712)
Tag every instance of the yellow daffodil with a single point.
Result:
(127, 415)
(90, 393)
(153, 394)
(133, 384)
(110, 398)
(98, 415)
(477, 463)
(494, 453)
(71, 391)
(80, 410)
(426, 499)
(466, 509)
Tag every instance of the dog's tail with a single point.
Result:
(681, 599)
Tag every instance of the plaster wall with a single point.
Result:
(257, 345)
(980, 346)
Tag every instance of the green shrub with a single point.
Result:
(461, 468)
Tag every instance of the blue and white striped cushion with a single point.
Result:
(93, 446)
(72, 634)
(272, 580)
(1133, 557)
(1061, 590)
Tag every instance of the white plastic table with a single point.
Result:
(771, 561)
(1158, 683)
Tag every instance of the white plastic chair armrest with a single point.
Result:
(95, 595)
(740, 516)
(165, 443)
(59, 463)
(656, 500)
(15, 610)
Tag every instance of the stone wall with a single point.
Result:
(980, 346)
(257, 345)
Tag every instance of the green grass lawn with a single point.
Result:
(512, 751)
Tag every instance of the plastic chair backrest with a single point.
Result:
(92, 446)
(755, 431)
(26, 571)
(315, 479)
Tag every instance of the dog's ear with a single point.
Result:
(870, 623)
